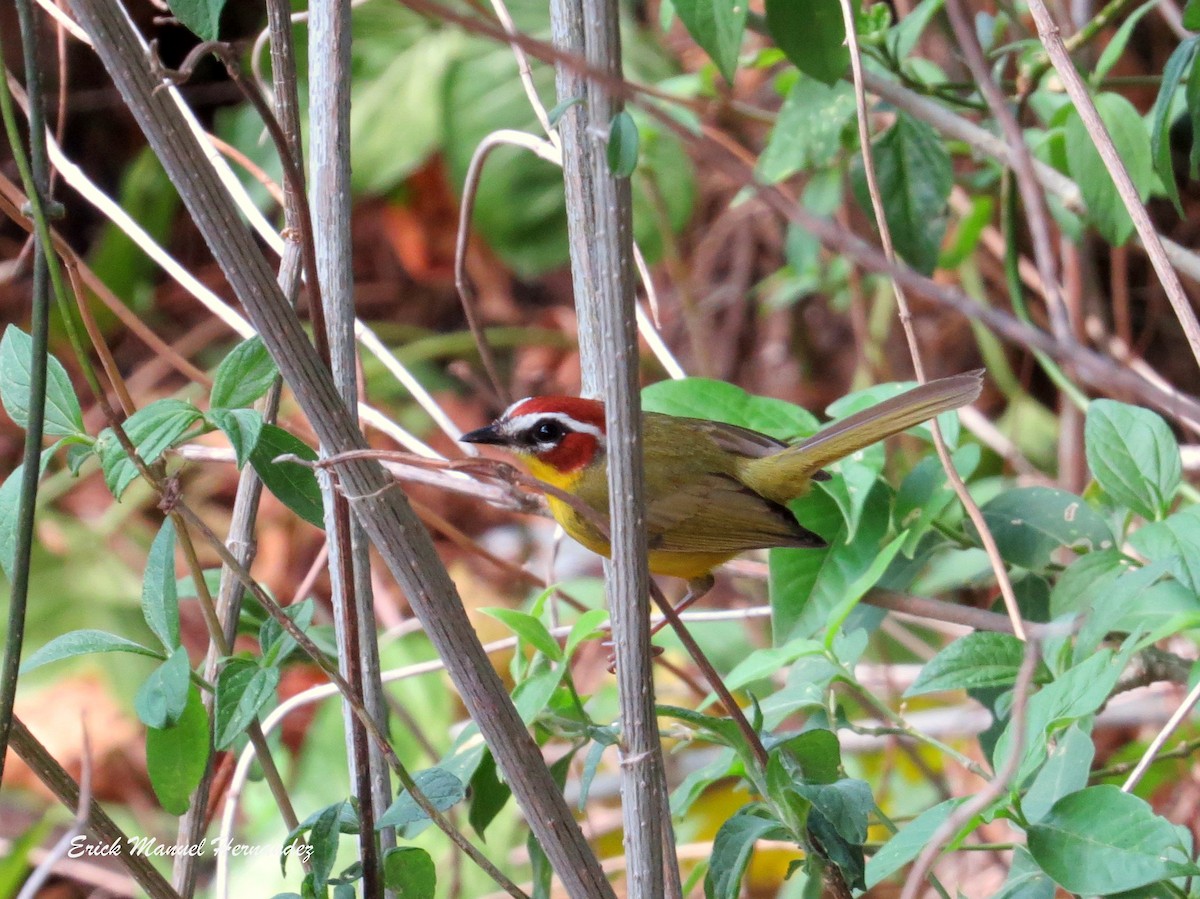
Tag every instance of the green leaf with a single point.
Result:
(323, 838)
(1025, 879)
(488, 794)
(244, 688)
(1031, 523)
(717, 26)
(1117, 44)
(1180, 62)
(902, 38)
(848, 857)
(850, 489)
(532, 695)
(176, 757)
(926, 493)
(722, 401)
(409, 870)
(1191, 15)
(10, 502)
(160, 600)
(905, 845)
(63, 417)
(1175, 540)
(1087, 169)
(152, 430)
(732, 848)
(439, 786)
(1133, 455)
(243, 376)
(818, 755)
(529, 629)
(294, 485)
(976, 660)
(201, 17)
(807, 585)
(84, 642)
(622, 145)
(243, 427)
(1068, 764)
(808, 132)
(276, 643)
(162, 698)
(812, 34)
(1078, 586)
(1077, 693)
(586, 626)
(347, 820)
(846, 804)
(914, 173)
(1113, 600)
(1100, 840)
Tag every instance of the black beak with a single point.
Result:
(490, 434)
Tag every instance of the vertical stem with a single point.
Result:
(39, 329)
(599, 216)
(329, 109)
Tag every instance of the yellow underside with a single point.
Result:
(686, 565)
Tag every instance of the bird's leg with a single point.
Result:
(697, 587)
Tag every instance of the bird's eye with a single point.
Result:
(548, 430)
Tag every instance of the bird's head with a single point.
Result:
(565, 433)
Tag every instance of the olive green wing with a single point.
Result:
(716, 513)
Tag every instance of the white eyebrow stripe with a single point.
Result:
(522, 423)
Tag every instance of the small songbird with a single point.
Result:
(713, 490)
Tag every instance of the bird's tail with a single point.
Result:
(793, 467)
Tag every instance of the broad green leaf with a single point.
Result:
(812, 34)
(10, 503)
(243, 427)
(243, 690)
(1175, 540)
(63, 417)
(731, 851)
(586, 626)
(1180, 63)
(488, 794)
(243, 376)
(722, 401)
(532, 695)
(1087, 169)
(907, 844)
(84, 642)
(979, 659)
(1025, 879)
(1077, 693)
(859, 587)
(323, 837)
(1133, 455)
(201, 17)
(1100, 840)
(623, 143)
(1114, 600)
(1078, 586)
(529, 629)
(1068, 764)
(818, 756)
(717, 26)
(410, 872)
(850, 489)
(903, 37)
(439, 786)
(763, 663)
(846, 804)
(807, 134)
(163, 696)
(160, 601)
(347, 819)
(914, 173)
(926, 493)
(276, 643)
(1191, 15)
(806, 585)
(294, 485)
(1031, 523)
(848, 856)
(177, 756)
(1117, 44)
(152, 430)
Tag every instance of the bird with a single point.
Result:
(712, 490)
